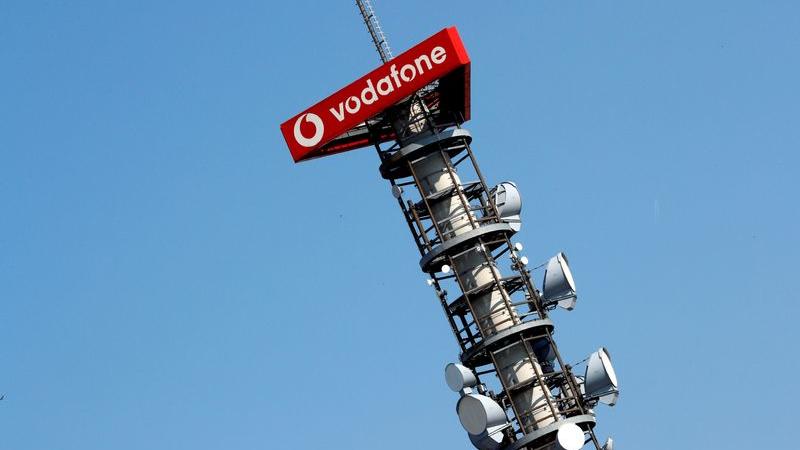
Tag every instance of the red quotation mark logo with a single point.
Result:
(319, 129)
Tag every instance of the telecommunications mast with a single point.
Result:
(516, 392)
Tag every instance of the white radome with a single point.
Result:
(569, 437)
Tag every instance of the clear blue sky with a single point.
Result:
(170, 280)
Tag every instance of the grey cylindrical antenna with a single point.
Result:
(374, 27)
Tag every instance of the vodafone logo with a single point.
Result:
(319, 129)
(323, 129)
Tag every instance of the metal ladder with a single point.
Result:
(375, 30)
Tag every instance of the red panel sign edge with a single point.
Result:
(292, 129)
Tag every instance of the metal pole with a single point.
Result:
(374, 28)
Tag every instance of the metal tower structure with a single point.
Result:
(516, 390)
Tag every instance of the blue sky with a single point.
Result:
(170, 279)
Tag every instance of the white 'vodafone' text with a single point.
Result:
(389, 83)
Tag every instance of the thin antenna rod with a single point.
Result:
(375, 30)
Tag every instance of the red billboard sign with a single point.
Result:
(307, 133)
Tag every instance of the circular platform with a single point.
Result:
(585, 422)
(432, 260)
(452, 141)
(478, 355)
